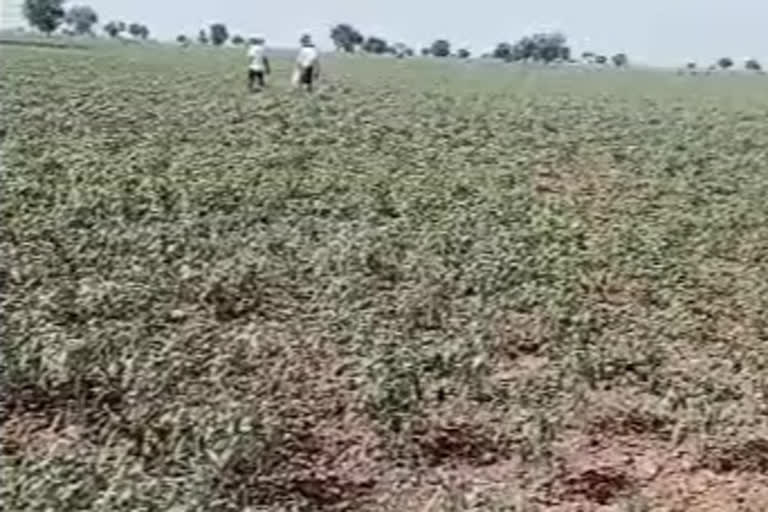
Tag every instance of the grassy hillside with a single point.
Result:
(426, 287)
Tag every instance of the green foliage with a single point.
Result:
(237, 39)
(138, 30)
(202, 37)
(218, 34)
(375, 45)
(440, 48)
(346, 37)
(81, 19)
(215, 301)
(620, 60)
(44, 15)
(541, 47)
(114, 28)
(753, 65)
(725, 63)
(401, 50)
(463, 53)
(503, 51)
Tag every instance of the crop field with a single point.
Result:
(428, 286)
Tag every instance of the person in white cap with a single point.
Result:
(258, 66)
(307, 64)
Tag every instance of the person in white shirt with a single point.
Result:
(307, 64)
(258, 65)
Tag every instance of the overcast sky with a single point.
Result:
(653, 31)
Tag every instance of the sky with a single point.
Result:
(663, 32)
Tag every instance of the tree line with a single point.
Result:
(724, 63)
(541, 47)
(546, 47)
(216, 34)
(50, 15)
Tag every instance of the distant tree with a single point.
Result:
(401, 50)
(237, 39)
(138, 30)
(753, 65)
(425, 52)
(346, 37)
(725, 63)
(588, 57)
(463, 53)
(690, 68)
(523, 49)
(601, 59)
(219, 34)
(202, 37)
(44, 15)
(620, 60)
(542, 47)
(503, 51)
(550, 46)
(182, 40)
(81, 19)
(441, 48)
(375, 45)
(114, 28)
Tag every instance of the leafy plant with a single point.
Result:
(214, 301)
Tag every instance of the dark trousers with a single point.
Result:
(307, 76)
(255, 77)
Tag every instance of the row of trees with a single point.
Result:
(726, 63)
(347, 38)
(619, 59)
(117, 28)
(344, 36)
(217, 34)
(49, 15)
(541, 47)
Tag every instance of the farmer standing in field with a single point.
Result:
(258, 66)
(307, 64)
